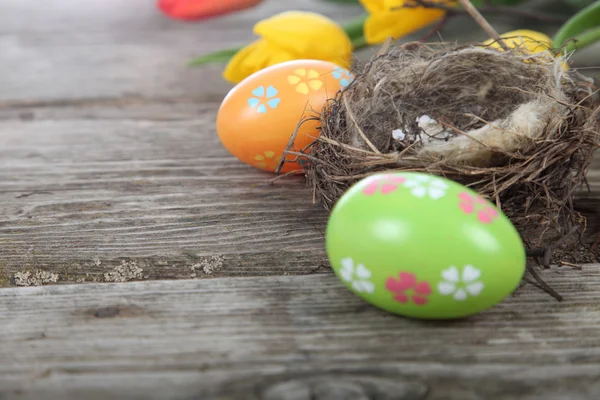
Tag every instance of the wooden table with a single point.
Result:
(141, 261)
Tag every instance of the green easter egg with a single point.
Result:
(423, 246)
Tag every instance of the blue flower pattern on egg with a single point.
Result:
(343, 75)
(264, 97)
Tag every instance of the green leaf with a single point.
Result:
(581, 30)
(579, 4)
(354, 29)
(218, 56)
(585, 39)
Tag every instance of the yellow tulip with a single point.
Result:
(525, 39)
(388, 19)
(291, 35)
(534, 42)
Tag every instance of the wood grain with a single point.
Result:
(112, 48)
(147, 186)
(292, 338)
(110, 170)
(73, 50)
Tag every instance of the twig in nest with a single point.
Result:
(310, 158)
(559, 243)
(547, 255)
(346, 146)
(278, 177)
(543, 285)
(360, 132)
(292, 140)
(482, 22)
(463, 133)
(568, 264)
(384, 47)
(546, 252)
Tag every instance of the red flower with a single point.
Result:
(486, 214)
(200, 9)
(407, 287)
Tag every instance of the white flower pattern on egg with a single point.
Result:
(461, 285)
(423, 185)
(357, 275)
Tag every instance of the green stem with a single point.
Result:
(218, 56)
(583, 40)
(359, 43)
(353, 29)
(588, 18)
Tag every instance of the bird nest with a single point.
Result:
(518, 128)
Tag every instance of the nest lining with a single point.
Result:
(518, 128)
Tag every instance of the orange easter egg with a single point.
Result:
(258, 117)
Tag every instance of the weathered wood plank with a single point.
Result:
(593, 177)
(80, 196)
(281, 338)
(112, 48)
(145, 191)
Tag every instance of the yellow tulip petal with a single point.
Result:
(254, 57)
(534, 42)
(389, 4)
(288, 36)
(260, 56)
(236, 69)
(306, 34)
(531, 40)
(279, 56)
(396, 24)
(373, 6)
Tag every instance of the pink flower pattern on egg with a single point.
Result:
(386, 185)
(486, 214)
(407, 288)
